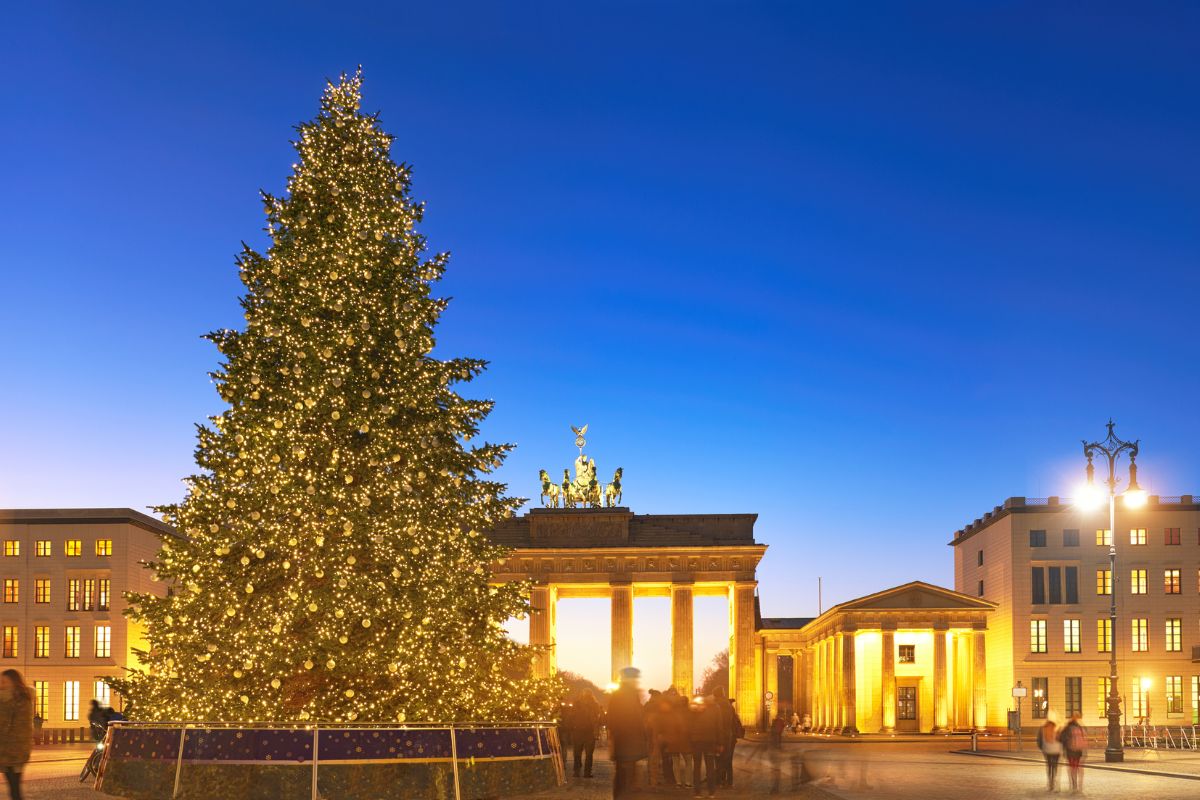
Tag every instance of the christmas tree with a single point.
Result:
(334, 566)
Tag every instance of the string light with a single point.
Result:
(332, 567)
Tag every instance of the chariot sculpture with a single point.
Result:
(584, 490)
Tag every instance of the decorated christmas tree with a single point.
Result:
(333, 565)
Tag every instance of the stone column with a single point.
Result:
(887, 697)
(542, 623)
(799, 670)
(814, 684)
(742, 675)
(772, 686)
(979, 679)
(940, 710)
(622, 628)
(849, 686)
(835, 682)
(681, 638)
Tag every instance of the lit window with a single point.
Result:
(102, 692)
(1196, 699)
(1171, 536)
(104, 547)
(1104, 581)
(1037, 635)
(1139, 643)
(1137, 535)
(41, 641)
(41, 698)
(71, 701)
(72, 641)
(1104, 635)
(1174, 687)
(43, 548)
(1102, 685)
(41, 590)
(105, 593)
(1103, 537)
(12, 590)
(10, 641)
(89, 594)
(1137, 581)
(1070, 636)
(908, 654)
(103, 641)
(1041, 697)
(1171, 581)
(1074, 696)
(73, 585)
(12, 547)
(1174, 636)
(1037, 538)
(1137, 697)
(73, 547)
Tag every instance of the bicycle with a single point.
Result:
(92, 765)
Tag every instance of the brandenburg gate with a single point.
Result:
(614, 553)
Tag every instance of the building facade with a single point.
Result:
(1045, 565)
(64, 574)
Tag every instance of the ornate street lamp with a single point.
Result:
(1092, 496)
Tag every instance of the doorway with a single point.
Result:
(908, 714)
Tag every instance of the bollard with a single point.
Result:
(974, 741)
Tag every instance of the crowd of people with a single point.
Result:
(685, 741)
(1069, 740)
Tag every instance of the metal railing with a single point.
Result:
(1155, 737)
(549, 747)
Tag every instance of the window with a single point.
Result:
(1038, 586)
(72, 641)
(908, 654)
(1139, 643)
(43, 548)
(104, 547)
(41, 698)
(1104, 581)
(89, 594)
(1171, 536)
(1104, 635)
(71, 701)
(1055, 574)
(105, 585)
(981, 588)
(1072, 578)
(103, 641)
(12, 547)
(1041, 697)
(1137, 535)
(73, 548)
(72, 594)
(1196, 699)
(12, 590)
(1171, 581)
(1102, 684)
(41, 641)
(1174, 687)
(1103, 537)
(102, 692)
(10, 641)
(41, 590)
(1037, 538)
(1137, 699)
(1037, 635)
(979, 559)
(1070, 636)
(1137, 581)
(1074, 696)
(1174, 636)
(1071, 537)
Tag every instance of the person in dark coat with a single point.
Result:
(704, 736)
(626, 733)
(16, 728)
(729, 730)
(583, 719)
(97, 721)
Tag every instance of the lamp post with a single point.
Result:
(1111, 449)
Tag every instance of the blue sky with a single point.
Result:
(865, 269)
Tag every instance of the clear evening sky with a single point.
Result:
(864, 269)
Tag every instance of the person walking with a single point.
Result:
(16, 728)
(1051, 747)
(679, 747)
(583, 718)
(1074, 745)
(626, 733)
(704, 738)
(728, 725)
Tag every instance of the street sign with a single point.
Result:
(1020, 691)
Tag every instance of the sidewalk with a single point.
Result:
(1183, 764)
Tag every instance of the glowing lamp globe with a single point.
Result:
(1089, 497)
(1135, 498)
